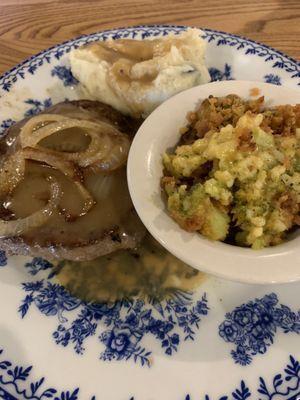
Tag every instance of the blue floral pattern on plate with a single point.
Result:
(283, 387)
(126, 322)
(3, 259)
(36, 106)
(5, 125)
(252, 326)
(275, 59)
(15, 380)
(272, 78)
(64, 74)
(219, 75)
(36, 265)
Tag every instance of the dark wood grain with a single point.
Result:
(28, 26)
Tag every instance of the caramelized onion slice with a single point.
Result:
(108, 146)
(66, 167)
(102, 185)
(23, 225)
(11, 173)
(35, 123)
(116, 157)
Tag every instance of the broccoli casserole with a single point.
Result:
(235, 174)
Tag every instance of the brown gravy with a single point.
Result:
(112, 206)
(123, 54)
(110, 192)
(114, 50)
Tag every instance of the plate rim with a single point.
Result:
(151, 26)
(70, 41)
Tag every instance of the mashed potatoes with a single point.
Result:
(135, 76)
(240, 181)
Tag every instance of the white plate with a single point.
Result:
(264, 334)
(159, 132)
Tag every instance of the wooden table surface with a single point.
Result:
(28, 26)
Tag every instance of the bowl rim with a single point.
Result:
(250, 262)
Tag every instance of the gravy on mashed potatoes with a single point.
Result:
(135, 76)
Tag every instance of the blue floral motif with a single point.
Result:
(37, 106)
(252, 326)
(272, 78)
(228, 331)
(284, 386)
(218, 75)
(126, 322)
(274, 58)
(241, 393)
(50, 299)
(37, 264)
(65, 75)
(3, 259)
(15, 381)
(7, 123)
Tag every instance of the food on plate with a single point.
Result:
(149, 272)
(135, 76)
(235, 174)
(63, 183)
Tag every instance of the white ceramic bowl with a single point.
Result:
(160, 131)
